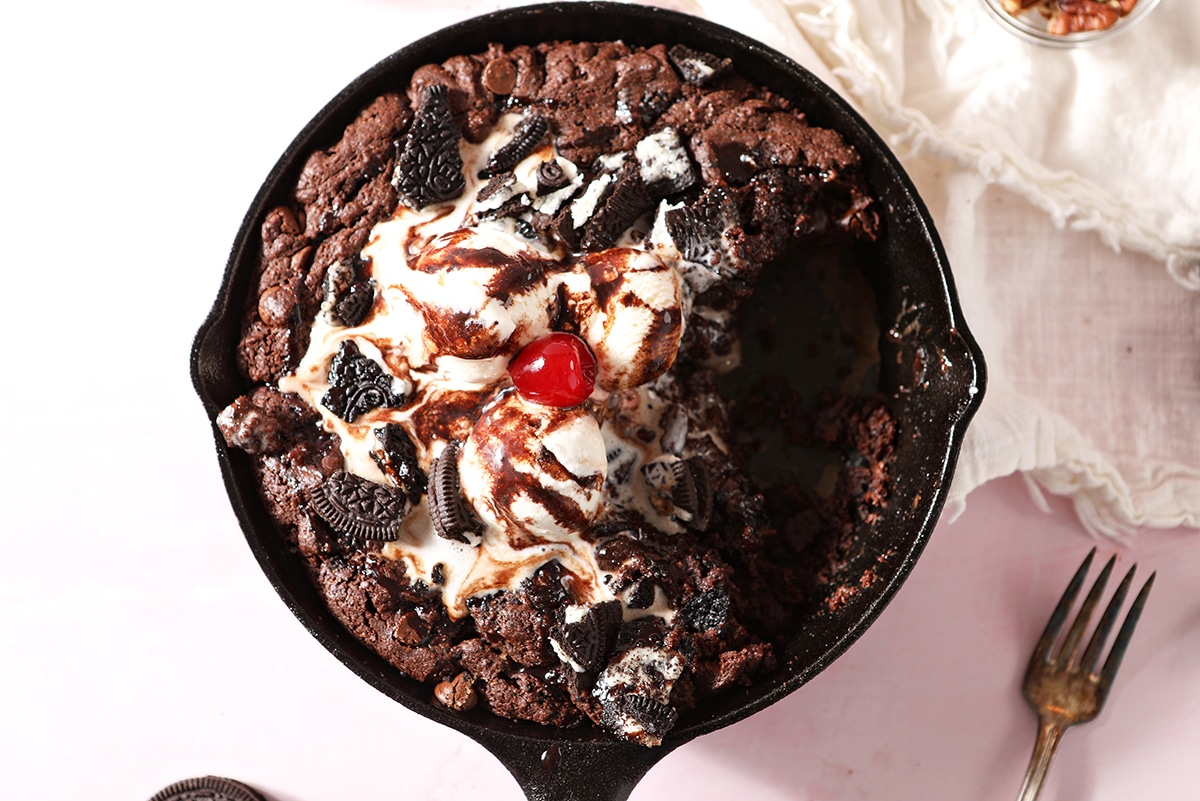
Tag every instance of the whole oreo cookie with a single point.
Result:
(208, 788)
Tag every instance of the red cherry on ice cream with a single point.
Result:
(556, 370)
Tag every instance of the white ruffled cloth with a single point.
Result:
(1066, 187)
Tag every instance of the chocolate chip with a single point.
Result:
(627, 201)
(354, 304)
(588, 641)
(457, 694)
(706, 610)
(396, 456)
(410, 629)
(275, 306)
(360, 509)
(693, 491)
(697, 67)
(208, 788)
(527, 136)
(452, 519)
(357, 385)
(499, 76)
(430, 168)
(551, 177)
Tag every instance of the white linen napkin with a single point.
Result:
(1061, 182)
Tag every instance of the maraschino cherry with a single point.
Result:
(556, 370)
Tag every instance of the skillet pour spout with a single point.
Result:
(928, 368)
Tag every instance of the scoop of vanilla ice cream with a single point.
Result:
(534, 473)
(637, 324)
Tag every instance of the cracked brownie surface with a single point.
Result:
(484, 343)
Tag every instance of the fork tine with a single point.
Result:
(1091, 657)
(1075, 633)
(1041, 653)
(1113, 663)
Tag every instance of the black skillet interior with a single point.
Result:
(926, 363)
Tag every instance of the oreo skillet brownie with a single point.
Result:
(484, 346)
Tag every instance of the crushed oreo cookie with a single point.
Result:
(551, 177)
(706, 610)
(697, 67)
(525, 139)
(396, 456)
(452, 520)
(360, 509)
(693, 491)
(586, 643)
(430, 168)
(358, 385)
(352, 306)
(654, 718)
(627, 201)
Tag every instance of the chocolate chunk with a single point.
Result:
(358, 508)
(588, 641)
(430, 168)
(697, 67)
(551, 177)
(707, 610)
(352, 307)
(457, 694)
(627, 201)
(410, 629)
(693, 491)
(357, 385)
(275, 306)
(208, 788)
(527, 136)
(396, 456)
(452, 519)
(499, 76)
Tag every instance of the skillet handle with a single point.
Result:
(575, 771)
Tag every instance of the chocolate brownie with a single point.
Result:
(484, 345)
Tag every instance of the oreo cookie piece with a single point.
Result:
(360, 509)
(706, 610)
(627, 201)
(551, 177)
(208, 788)
(525, 139)
(692, 492)
(452, 520)
(430, 168)
(396, 456)
(696, 228)
(664, 163)
(352, 306)
(358, 385)
(585, 642)
(697, 67)
(639, 717)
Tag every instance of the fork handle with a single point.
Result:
(1050, 732)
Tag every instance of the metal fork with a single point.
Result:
(1063, 686)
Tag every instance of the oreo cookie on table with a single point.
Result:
(360, 509)
(430, 167)
(208, 788)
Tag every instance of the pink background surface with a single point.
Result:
(141, 645)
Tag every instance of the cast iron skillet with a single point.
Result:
(930, 368)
